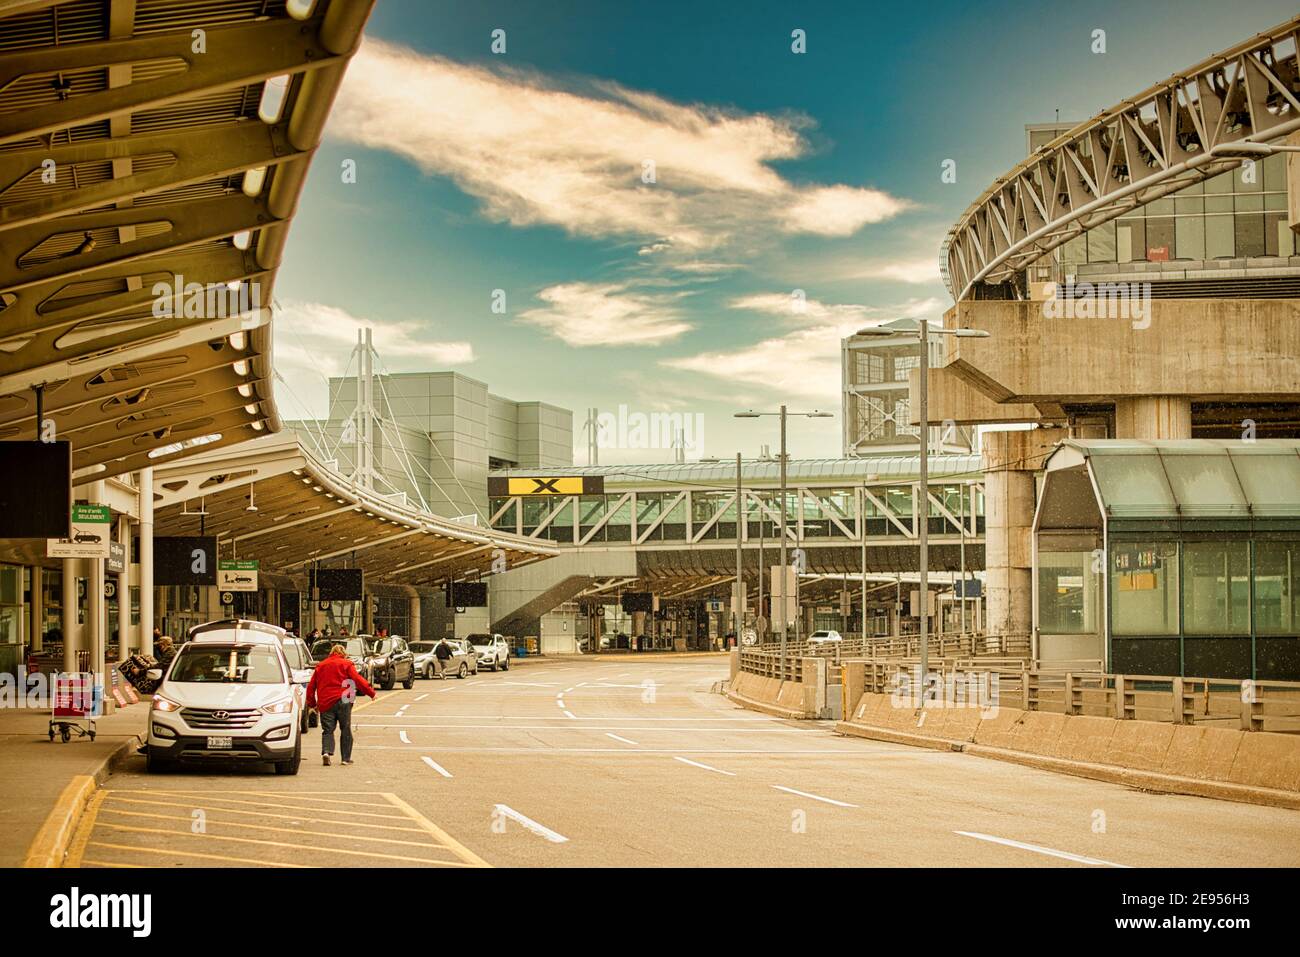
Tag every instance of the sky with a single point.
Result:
(665, 208)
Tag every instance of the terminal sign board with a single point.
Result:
(237, 575)
(503, 486)
(89, 539)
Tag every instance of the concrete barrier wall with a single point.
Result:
(783, 698)
(1249, 759)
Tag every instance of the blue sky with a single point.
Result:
(773, 171)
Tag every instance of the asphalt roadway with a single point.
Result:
(634, 762)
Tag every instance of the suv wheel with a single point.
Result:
(409, 683)
(154, 764)
(464, 670)
(291, 766)
(505, 662)
(428, 672)
(390, 679)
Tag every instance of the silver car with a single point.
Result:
(463, 660)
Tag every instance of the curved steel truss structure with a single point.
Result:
(1193, 126)
(147, 144)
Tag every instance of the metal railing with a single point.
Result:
(1081, 688)
(770, 664)
(968, 645)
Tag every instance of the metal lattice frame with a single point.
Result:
(1167, 138)
(132, 154)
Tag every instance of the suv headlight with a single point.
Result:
(283, 706)
(381, 662)
(164, 704)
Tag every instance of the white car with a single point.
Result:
(492, 650)
(229, 694)
(823, 637)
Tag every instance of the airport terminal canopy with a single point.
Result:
(1172, 481)
(152, 154)
(273, 501)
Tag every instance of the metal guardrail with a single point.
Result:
(1081, 688)
(1010, 645)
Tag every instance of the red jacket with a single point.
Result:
(328, 682)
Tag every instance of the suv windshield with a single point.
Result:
(240, 664)
(380, 646)
(420, 647)
(353, 647)
(479, 639)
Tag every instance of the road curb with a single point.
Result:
(1112, 774)
(50, 845)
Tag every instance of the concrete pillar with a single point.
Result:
(1153, 417)
(125, 637)
(36, 620)
(415, 618)
(1011, 460)
(145, 634)
(97, 610)
(71, 630)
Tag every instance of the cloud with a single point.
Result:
(313, 341)
(607, 314)
(918, 271)
(803, 363)
(536, 153)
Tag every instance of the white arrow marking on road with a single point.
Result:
(610, 734)
(1078, 858)
(568, 714)
(538, 829)
(697, 764)
(405, 739)
(436, 766)
(813, 797)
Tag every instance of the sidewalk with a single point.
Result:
(34, 773)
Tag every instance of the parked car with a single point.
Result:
(492, 651)
(228, 694)
(391, 660)
(824, 637)
(463, 660)
(354, 648)
(301, 665)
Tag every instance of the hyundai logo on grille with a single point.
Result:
(221, 715)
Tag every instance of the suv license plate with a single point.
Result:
(220, 744)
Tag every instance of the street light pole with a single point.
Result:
(924, 510)
(738, 592)
(785, 568)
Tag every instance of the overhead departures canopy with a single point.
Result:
(273, 501)
(146, 146)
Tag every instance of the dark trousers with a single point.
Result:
(340, 714)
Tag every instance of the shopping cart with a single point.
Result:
(75, 706)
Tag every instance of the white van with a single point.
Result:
(228, 694)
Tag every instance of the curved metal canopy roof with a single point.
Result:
(146, 145)
(1193, 126)
(272, 500)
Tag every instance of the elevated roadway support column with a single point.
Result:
(1011, 460)
(1153, 417)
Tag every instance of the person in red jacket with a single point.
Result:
(332, 689)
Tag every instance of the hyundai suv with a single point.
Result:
(390, 660)
(228, 695)
(492, 651)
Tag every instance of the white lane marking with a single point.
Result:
(398, 712)
(1038, 849)
(813, 797)
(568, 714)
(560, 701)
(436, 766)
(638, 687)
(405, 739)
(421, 697)
(613, 725)
(611, 734)
(696, 764)
(597, 717)
(538, 829)
(855, 755)
(567, 690)
(536, 684)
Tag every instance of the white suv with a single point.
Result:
(493, 651)
(228, 695)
